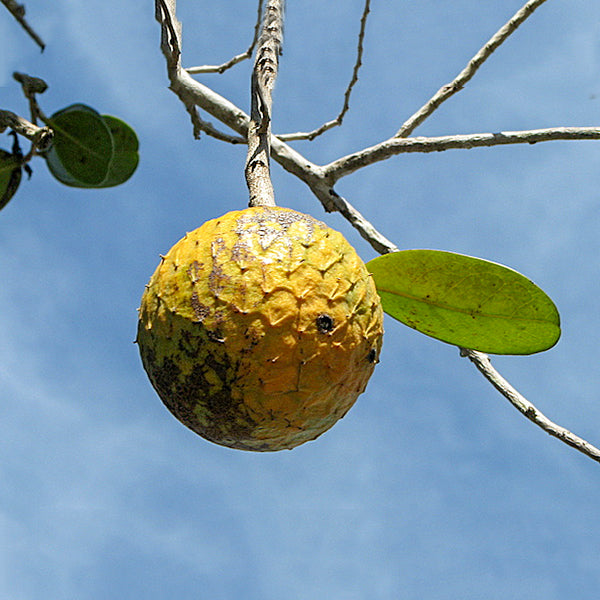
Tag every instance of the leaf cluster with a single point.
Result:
(88, 150)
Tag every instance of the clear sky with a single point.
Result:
(433, 486)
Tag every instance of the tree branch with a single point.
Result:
(311, 135)
(320, 179)
(32, 86)
(200, 125)
(264, 74)
(236, 59)
(18, 12)
(329, 197)
(467, 73)
(384, 150)
(526, 408)
(40, 137)
(190, 92)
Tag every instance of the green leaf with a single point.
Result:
(91, 150)
(125, 152)
(10, 176)
(83, 147)
(466, 301)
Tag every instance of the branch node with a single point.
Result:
(469, 71)
(40, 137)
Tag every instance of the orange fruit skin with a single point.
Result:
(260, 329)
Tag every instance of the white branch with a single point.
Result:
(321, 179)
(467, 73)
(484, 365)
(190, 92)
(40, 137)
(193, 93)
(311, 135)
(257, 169)
(236, 59)
(384, 150)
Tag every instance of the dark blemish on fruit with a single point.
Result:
(200, 310)
(194, 271)
(325, 323)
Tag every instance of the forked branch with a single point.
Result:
(321, 179)
(384, 150)
(467, 73)
(188, 90)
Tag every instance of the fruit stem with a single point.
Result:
(264, 74)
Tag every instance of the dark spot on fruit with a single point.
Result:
(195, 271)
(200, 310)
(217, 279)
(212, 411)
(187, 345)
(215, 336)
(324, 323)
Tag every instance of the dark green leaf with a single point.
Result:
(10, 176)
(466, 301)
(125, 155)
(82, 151)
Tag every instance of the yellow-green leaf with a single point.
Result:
(466, 301)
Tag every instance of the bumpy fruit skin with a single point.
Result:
(260, 329)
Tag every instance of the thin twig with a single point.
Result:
(32, 86)
(236, 59)
(311, 135)
(484, 365)
(467, 73)
(264, 74)
(352, 162)
(200, 125)
(18, 12)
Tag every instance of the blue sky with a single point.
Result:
(432, 486)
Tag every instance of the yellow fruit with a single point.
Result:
(260, 329)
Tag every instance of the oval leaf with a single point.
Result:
(10, 176)
(125, 152)
(82, 151)
(466, 301)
